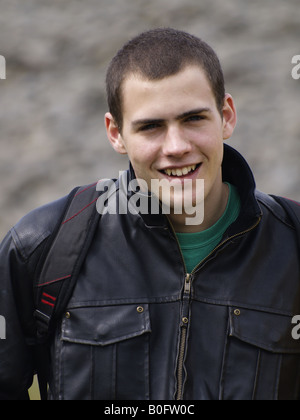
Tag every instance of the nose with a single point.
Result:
(175, 144)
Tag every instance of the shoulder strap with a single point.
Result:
(288, 211)
(59, 267)
(292, 209)
(274, 206)
(62, 258)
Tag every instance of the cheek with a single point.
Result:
(142, 154)
(142, 161)
(210, 144)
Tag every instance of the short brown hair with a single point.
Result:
(157, 54)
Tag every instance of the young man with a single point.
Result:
(165, 306)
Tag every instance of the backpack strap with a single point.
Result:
(274, 207)
(60, 263)
(292, 209)
(286, 210)
(59, 266)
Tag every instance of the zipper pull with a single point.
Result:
(187, 284)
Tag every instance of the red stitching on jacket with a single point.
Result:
(293, 201)
(87, 188)
(49, 296)
(53, 281)
(48, 303)
(80, 211)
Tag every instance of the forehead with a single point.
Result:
(188, 89)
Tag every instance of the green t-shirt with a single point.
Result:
(196, 246)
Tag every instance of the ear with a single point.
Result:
(114, 135)
(229, 117)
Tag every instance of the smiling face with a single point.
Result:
(173, 130)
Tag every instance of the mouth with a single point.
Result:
(184, 171)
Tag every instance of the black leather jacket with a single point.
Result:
(139, 327)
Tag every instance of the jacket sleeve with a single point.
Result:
(17, 324)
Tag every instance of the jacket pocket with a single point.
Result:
(105, 352)
(261, 359)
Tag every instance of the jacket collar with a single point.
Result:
(236, 171)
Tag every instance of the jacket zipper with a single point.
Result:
(186, 307)
(183, 335)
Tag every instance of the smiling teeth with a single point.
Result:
(181, 171)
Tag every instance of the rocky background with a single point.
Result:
(53, 99)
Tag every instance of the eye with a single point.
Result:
(149, 127)
(195, 118)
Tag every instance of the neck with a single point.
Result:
(214, 207)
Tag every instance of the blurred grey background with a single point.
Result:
(53, 100)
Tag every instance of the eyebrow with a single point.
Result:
(146, 121)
